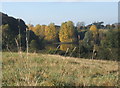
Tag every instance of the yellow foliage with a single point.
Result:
(93, 28)
(42, 32)
(67, 32)
(30, 27)
(51, 33)
(37, 29)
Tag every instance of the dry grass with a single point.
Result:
(55, 70)
(0, 69)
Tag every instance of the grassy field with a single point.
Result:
(55, 70)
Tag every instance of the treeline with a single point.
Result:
(94, 41)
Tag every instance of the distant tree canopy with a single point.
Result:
(12, 30)
(93, 28)
(88, 40)
(80, 25)
(39, 30)
(96, 40)
(14, 33)
(6, 31)
(111, 40)
(67, 32)
(98, 24)
(88, 36)
(95, 32)
(42, 31)
(51, 34)
(30, 26)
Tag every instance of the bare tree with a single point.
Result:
(19, 36)
(80, 24)
(27, 42)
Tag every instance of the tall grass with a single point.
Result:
(55, 70)
(0, 69)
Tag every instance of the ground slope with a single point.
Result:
(55, 70)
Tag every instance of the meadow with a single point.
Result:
(35, 69)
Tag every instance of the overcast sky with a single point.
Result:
(58, 12)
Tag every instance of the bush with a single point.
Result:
(51, 51)
(103, 53)
(34, 47)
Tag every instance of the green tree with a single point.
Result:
(34, 46)
(8, 37)
(111, 40)
(88, 40)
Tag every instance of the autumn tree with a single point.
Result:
(67, 32)
(93, 28)
(37, 29)
(51, 33)
(30, 26)
(95, 32)
(96, 40)
(42, 31)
